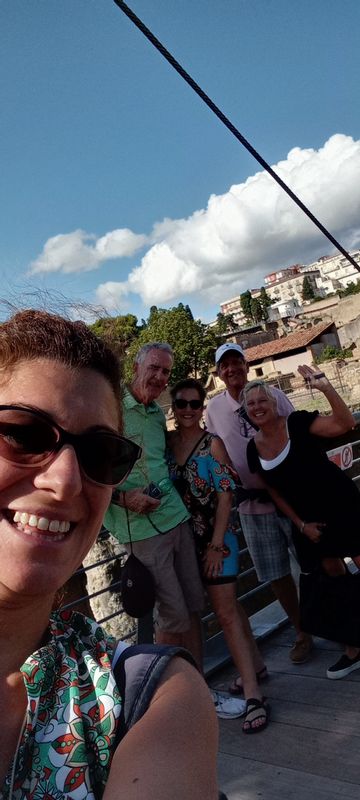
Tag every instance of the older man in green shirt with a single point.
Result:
(159, 529)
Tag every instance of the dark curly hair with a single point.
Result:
(188, 383)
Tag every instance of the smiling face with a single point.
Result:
(50, 515)
(260, 406)
(232, 369)
(188, 417)
(151, 375)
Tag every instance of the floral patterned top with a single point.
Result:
(198, 481)
(72, 713)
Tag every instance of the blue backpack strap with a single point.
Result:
(137, 672)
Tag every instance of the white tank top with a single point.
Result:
(268, 464)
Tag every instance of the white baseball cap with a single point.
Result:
(226, 348)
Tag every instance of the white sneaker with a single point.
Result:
(228, 707)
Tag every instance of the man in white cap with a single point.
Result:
(268, 535)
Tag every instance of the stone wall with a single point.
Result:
(341, 312)
(102, 577)
(350, 333)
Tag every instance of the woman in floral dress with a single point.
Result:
(61, 453)
(200, 468)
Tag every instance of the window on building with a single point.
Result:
(259, 372)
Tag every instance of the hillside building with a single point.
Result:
(336, 272)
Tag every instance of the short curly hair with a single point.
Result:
(188, 383)
(33, 334)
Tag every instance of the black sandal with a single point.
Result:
(237, 689)
(256, 710)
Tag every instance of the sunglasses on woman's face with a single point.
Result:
(181, 404)
(30, 438)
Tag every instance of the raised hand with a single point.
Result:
(314, 378)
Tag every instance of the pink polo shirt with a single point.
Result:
(222, 417)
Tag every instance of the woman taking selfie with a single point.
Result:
(322, 501)
(61, 452)
(198, 465)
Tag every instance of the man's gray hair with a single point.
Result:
(146, 348)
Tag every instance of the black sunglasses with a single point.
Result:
(30, 438)
(194, 404)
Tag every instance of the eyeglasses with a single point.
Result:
(30, 438)
(245, 425)
(194, 404)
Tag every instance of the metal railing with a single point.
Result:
(252, 594)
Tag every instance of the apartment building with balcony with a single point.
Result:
(233, 307)
(287, 284)
(336, 272)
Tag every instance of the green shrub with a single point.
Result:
(329, 352)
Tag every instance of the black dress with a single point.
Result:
(317, 490)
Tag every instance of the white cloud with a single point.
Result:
(81, 252)
(119, 243)
(112, 296)
(255, 227)
(170, 271)
(240, 236)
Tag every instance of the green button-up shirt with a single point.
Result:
(146, 426)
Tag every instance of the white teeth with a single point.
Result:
(41, 523)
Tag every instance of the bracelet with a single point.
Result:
(219, 548)
(302, 527)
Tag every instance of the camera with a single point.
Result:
(154, 491)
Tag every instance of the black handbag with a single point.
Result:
(137, 585)
(330, 606)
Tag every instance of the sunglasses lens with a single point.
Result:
(179, 403)
(24, 437)
(194, 404)
(106, 458)
(27, 439)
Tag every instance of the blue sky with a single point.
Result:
(102, 141)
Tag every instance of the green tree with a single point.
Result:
(307, 289)
(192, 341)
(119, 331)
(225, 323)
(245, 302)
(256, 309)
(351, 288)
(265, 302)
(330, 351)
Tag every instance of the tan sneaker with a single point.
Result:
(301, 650)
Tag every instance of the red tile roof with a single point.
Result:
(292, 341)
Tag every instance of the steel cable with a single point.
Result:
(224, 119)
